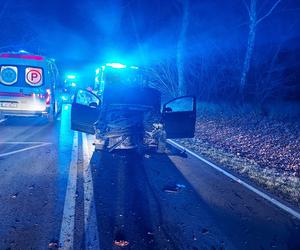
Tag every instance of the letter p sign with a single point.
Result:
(34, 76)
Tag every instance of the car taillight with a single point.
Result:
(48, 96)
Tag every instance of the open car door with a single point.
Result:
(179, 117)
(85, 111)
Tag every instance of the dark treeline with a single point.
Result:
(215, 55)
(239, 51)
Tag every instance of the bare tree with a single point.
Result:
(254, 21)
(164, 78)
(181, 46)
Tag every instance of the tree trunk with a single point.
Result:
(250, 47)
(181, 48)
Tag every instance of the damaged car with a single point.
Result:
(125, 113)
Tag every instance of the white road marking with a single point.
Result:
(66, 238)
(25, 149)
(90, 219)
(2, 120)
(23, 142)
(243, 183)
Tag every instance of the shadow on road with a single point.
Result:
(128, 209)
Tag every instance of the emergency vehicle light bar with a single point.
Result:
(28, 57)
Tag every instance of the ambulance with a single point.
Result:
(29, 86)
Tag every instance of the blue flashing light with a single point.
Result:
(64, 98)
(23, 51)
(73, 84)
(71, 76)
(134, 67)
(116, 65)
(97, 71)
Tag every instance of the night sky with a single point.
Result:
(80, 33)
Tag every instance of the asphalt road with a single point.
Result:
(55, 191)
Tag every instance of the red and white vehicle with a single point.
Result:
(29, 86)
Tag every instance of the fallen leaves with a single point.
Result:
(266, 150)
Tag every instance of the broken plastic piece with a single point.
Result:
(53, 245)
(121, 243)
(174, 189)
(171, 189)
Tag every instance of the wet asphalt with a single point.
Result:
(56, 192)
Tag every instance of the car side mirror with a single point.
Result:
(93, 105)
(167, 110)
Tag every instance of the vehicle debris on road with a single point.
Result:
(121, 243)
(174, 188)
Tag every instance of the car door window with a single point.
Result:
(180, 105)
(86, 98)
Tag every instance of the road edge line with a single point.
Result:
(238, 180)
(66, 236)
(24, 149)
(24, 143)
(90, 217)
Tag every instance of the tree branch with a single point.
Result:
(247, 6)
(269, 12)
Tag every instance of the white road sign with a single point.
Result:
(34, 76)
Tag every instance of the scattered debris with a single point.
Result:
(174, 188)
(171, 189)
(147, 156)
(205, 231)
(121, 243)
(53, 245)
(14, 196)
(181, 186)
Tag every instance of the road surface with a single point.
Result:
(56, 192)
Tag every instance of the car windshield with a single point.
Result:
(121, 77)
